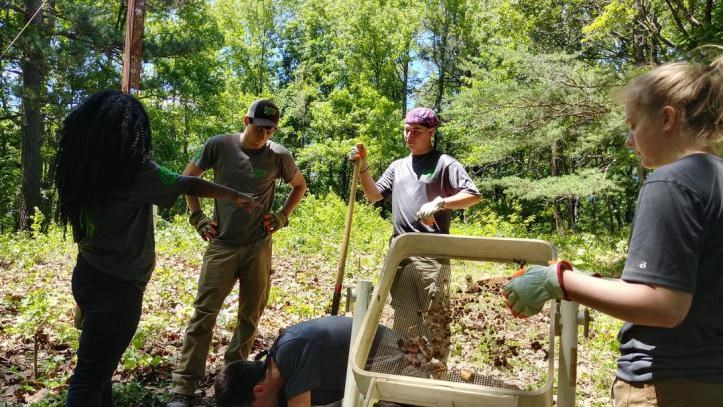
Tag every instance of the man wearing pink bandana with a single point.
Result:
(425, 187)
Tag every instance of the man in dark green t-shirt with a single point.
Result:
(239, 240)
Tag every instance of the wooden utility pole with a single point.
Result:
(133, 49)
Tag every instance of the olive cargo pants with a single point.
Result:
(223, 265)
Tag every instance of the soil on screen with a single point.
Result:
(487, 346)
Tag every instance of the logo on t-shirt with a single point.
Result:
(260, 172)
(427, 175)
(167, 176)
(87, 222)
(643, 265)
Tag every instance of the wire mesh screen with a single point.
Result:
(445, 319)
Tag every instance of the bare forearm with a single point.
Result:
(198, 187)
(302, 400)
(194, 204)
(192, 170)
(298, 189)
(371, 192)
(460, 200)
(292, 201)
(637, 303)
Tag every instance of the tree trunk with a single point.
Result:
(32, 66)
(186, 130)
(611, 215)
(639, 43)
(441, 71)
(572, 212)
(556, 212)
(593, 207)
(641, 176)
(48, 182)
(440, 56)
(405, 79)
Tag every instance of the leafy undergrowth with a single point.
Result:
(38, 341)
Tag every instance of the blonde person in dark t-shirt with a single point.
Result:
(107, 184)
(239, 249)
(670, 291)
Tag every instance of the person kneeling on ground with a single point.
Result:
(305, 366)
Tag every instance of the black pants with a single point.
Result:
(112, 310)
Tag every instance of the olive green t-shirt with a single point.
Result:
(118, 236)
(249, 171)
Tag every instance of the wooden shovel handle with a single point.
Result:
(345, 242)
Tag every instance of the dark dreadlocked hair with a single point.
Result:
(103, 144)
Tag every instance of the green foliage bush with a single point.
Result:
(603, 253)
(317, 228)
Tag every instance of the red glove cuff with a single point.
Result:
(362, 150)
(562, 267)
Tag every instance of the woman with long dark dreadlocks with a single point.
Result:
(107, 184)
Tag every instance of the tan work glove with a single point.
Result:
(207, 228)
(275, 221)
(427, 211)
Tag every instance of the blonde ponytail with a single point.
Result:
(695, 89)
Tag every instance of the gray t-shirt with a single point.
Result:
(119, 235)
(677, 242)
(413, 181)
(250, 171)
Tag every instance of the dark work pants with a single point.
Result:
(112, 310)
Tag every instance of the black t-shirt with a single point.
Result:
(677, 242)
(313, 356)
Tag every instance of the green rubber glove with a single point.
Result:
(275, 221)
(527, 294)
(207, 228)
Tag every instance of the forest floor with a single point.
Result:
(36, 313)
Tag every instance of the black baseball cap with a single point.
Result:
(264, 113)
